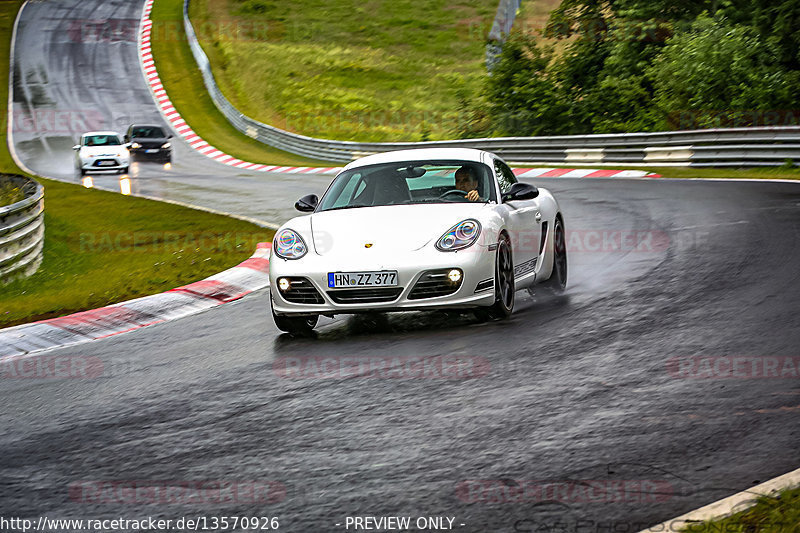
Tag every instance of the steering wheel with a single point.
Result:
(453, 192)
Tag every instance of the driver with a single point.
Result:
(466, 181)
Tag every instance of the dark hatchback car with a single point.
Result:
(149, 142)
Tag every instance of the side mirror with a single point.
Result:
(521, 191)
(307, 203)
(169, 136)
(76, 147)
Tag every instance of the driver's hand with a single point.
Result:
(473, 196)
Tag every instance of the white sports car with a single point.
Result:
(101, 150)
(442, 228)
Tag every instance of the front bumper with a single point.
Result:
(477, 264)
(94, 164)
(154, 153)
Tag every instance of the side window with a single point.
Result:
(505, 176)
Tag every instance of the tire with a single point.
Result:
(504, 288)
(294, 325)
(558, 278)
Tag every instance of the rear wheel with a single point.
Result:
(504, 288)
(295, 325)
(558, 278)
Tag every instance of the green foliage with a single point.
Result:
(644, 65)
(720, 66)
(524, 99)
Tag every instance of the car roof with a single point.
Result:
(100, 133)
(146, 126)
(420, 154)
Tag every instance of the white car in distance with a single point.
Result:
(101, 151)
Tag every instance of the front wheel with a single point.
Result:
(504, 288)
(294, 325)
(558, 278)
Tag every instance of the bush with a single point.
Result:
(718, 66)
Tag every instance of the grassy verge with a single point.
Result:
(184, 84)
(770, 515)
(347, 69)
(102, 247)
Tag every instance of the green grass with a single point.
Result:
(779, 514)
(102, 247)
(89, 258)
(772, 173)
(347, 69)
(184, 84)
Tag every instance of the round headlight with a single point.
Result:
(460, 236)
(289, 245)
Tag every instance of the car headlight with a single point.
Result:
(136, 145)
(462, 235)
(289, 245)
(166, 145)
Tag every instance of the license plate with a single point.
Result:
(151, 151)
(341, 280)
(106, 163)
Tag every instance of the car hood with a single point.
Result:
(153, 140)
(388, 229)
(102, 150)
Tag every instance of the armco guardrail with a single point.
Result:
(22, 231)
(712, 147)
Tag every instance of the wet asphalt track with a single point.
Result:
(576, 388)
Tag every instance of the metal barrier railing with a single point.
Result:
(22, 231)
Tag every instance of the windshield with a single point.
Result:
(148, 132)
(101, 140)
(410, 182)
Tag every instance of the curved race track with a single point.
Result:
(574, 390)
